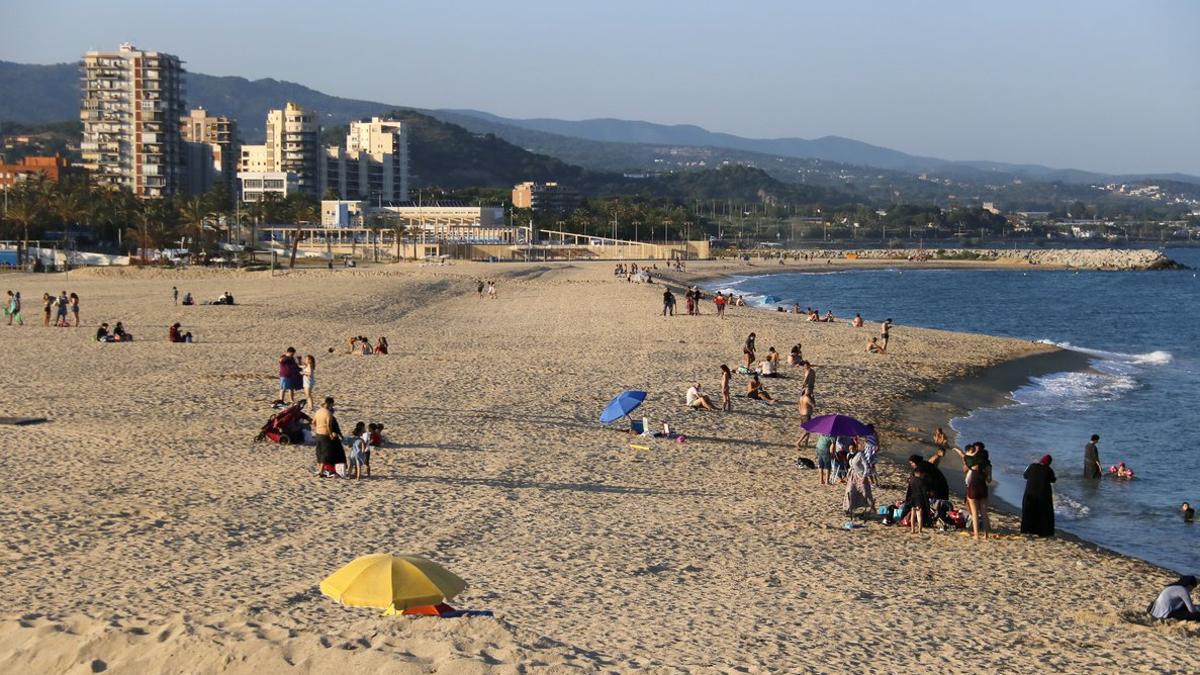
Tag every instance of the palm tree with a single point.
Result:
(194, 216)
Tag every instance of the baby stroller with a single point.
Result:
(285, 426)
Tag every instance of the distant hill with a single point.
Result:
(50, 93)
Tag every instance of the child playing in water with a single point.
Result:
(1121, 471)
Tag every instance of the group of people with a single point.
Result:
(296, 376)
(485, 288)
(331, 444)
(118, 334)
(60, 307)
(360, 344)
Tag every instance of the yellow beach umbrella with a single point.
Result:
(392, 582)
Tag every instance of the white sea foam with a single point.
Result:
(1069, 509)
(1155, 358)
(1075, 390)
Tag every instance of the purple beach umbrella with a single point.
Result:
(836, 425)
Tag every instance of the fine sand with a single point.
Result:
(146, 532)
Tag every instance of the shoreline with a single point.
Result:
(957, 396)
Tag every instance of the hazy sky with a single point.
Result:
(1101, 85)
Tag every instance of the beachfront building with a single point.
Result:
(257, 185)
(132, 104)
(292, 145)
(444, 220)
(373, 165)
(213, 151)
(30, 168)
(545, 197)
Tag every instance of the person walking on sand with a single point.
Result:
(479, 286)
(719, 301)
(175, 294)
(885, 329)
(13, 308)
(668, 303)
(1091, 459)
(805, 406)
(726, 399)
(47, 305)
(1037, 507)
(491, 289)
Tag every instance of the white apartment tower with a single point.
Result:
(374, 164)
(292, 146)
(132, 104)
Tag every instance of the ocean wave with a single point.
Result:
(1154, 358)
(1077, 391)
(1070, 509)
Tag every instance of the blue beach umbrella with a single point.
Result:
(624, 403)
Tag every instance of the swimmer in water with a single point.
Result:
(1189, 514)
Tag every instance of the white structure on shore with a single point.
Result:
(441, 220)
(132, 104)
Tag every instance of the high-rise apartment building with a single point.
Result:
(292, 146)
(214, 151)
(132, 104)
(373, 165)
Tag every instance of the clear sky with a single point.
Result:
(1100, 85)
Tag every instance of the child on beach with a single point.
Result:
(359, 450)
(308, 371)
(726, 375)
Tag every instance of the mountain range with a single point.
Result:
(48, 93)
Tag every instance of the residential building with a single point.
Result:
(257, 184)
(53, 168)
(132, 103)
(545, 197)
(216, 161)
(292, 145)
(341, 213)
(372, 166)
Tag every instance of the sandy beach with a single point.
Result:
(148, 533)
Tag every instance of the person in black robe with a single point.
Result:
(1037, 508)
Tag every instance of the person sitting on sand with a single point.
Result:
(741, 302)
(1189, 514)
(829, 317)
(697, 400)
(874, 347)
(102, 333)
(1175, 601)
(381, 346)
(770, 365)
(352, 344)
(814, 315)
(119, 334)
(364, 346)
(188, 299)
(795, 356)
(755, 390)
(858, 320)
(175, 335)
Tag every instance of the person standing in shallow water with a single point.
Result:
(1037, 507)
(1091, 459)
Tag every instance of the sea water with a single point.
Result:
(1141, 331)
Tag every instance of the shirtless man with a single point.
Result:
(884, 329)
(805, 406)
